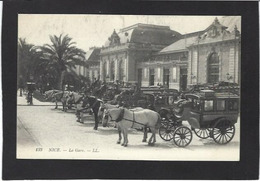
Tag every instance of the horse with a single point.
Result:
(74, 98)
(90, 102)
(48, 95)
(132, 119)
(103, 107)
(61, 96)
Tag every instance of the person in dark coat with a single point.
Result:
(21, 85)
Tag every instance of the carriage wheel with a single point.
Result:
(166, 132)
(182, 136)
(223, 131)
(202, 133)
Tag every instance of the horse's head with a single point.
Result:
(110, 115)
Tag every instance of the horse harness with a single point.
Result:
(93, 105)
(121, 117)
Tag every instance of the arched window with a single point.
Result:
(213, 68)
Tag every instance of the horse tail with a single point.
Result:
(158, 123)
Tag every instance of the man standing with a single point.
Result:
(31, 89)
(21, 85)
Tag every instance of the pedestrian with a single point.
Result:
(31, 89)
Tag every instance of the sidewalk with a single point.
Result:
(22, 101)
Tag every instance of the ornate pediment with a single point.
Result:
(215, 29)
(114, 39)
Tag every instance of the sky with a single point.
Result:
(93, 30)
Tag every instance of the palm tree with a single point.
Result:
(24, 58)
(60, 57)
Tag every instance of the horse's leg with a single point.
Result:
(78, 115)
(123, 131)
(56, 103)
(119, 134)
(152, 138)
(64, 107)
(126, 137)
(96, 120)
(145, 134)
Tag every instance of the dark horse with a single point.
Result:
(90, 102)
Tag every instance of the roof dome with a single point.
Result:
(146, 34)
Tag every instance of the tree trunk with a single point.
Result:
(61, 80)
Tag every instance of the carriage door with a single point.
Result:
(183, 79)
(139, 77)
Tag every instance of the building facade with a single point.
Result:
(215, 56)
(208, 56)
(152, 55)
(125, 49)
(92, 60)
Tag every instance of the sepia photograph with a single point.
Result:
(128, 87)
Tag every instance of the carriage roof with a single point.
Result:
(210, 94)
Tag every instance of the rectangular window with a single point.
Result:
(174, 74)
(196, 105)
(208, 105)
(221, 105)
(159, 73)
(233, 105)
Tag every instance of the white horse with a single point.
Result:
(103, 107)
(126, 119)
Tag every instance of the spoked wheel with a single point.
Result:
(182, 136)
(223, 131)
(202, 133)
(166, 132)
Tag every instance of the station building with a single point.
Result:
(124, 50)
(92, 63)
(152, 55)
(208, 56)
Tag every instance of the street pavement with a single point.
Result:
(47, 133)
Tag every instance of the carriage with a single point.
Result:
(209, 114)
(163, 98)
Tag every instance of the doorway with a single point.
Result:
(139, 77)
(183, 79)
(166, 77)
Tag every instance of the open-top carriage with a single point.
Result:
(209, 114)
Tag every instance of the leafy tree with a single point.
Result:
(24, 59)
